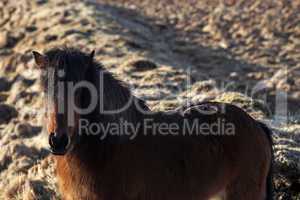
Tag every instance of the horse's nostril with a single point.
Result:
(58, 142)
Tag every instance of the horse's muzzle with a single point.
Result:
(58, 143)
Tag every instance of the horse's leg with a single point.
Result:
(246, 188)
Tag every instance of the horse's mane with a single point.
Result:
(116, 95)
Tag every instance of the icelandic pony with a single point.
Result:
(146, 161)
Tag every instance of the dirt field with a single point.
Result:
(170, 52)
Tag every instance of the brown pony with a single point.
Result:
(109, 146)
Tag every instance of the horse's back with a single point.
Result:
(240, 136)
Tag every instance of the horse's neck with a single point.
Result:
(115, 100)
(114, 96)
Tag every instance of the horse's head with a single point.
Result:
(61, 71)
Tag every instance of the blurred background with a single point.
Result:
(245, 52)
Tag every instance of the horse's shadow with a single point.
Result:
(147, 34)
(167, 45)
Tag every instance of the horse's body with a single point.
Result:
(154, 166)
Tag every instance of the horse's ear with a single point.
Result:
(91, 58)
(90, 63)
(92, 54)
(40, 60)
